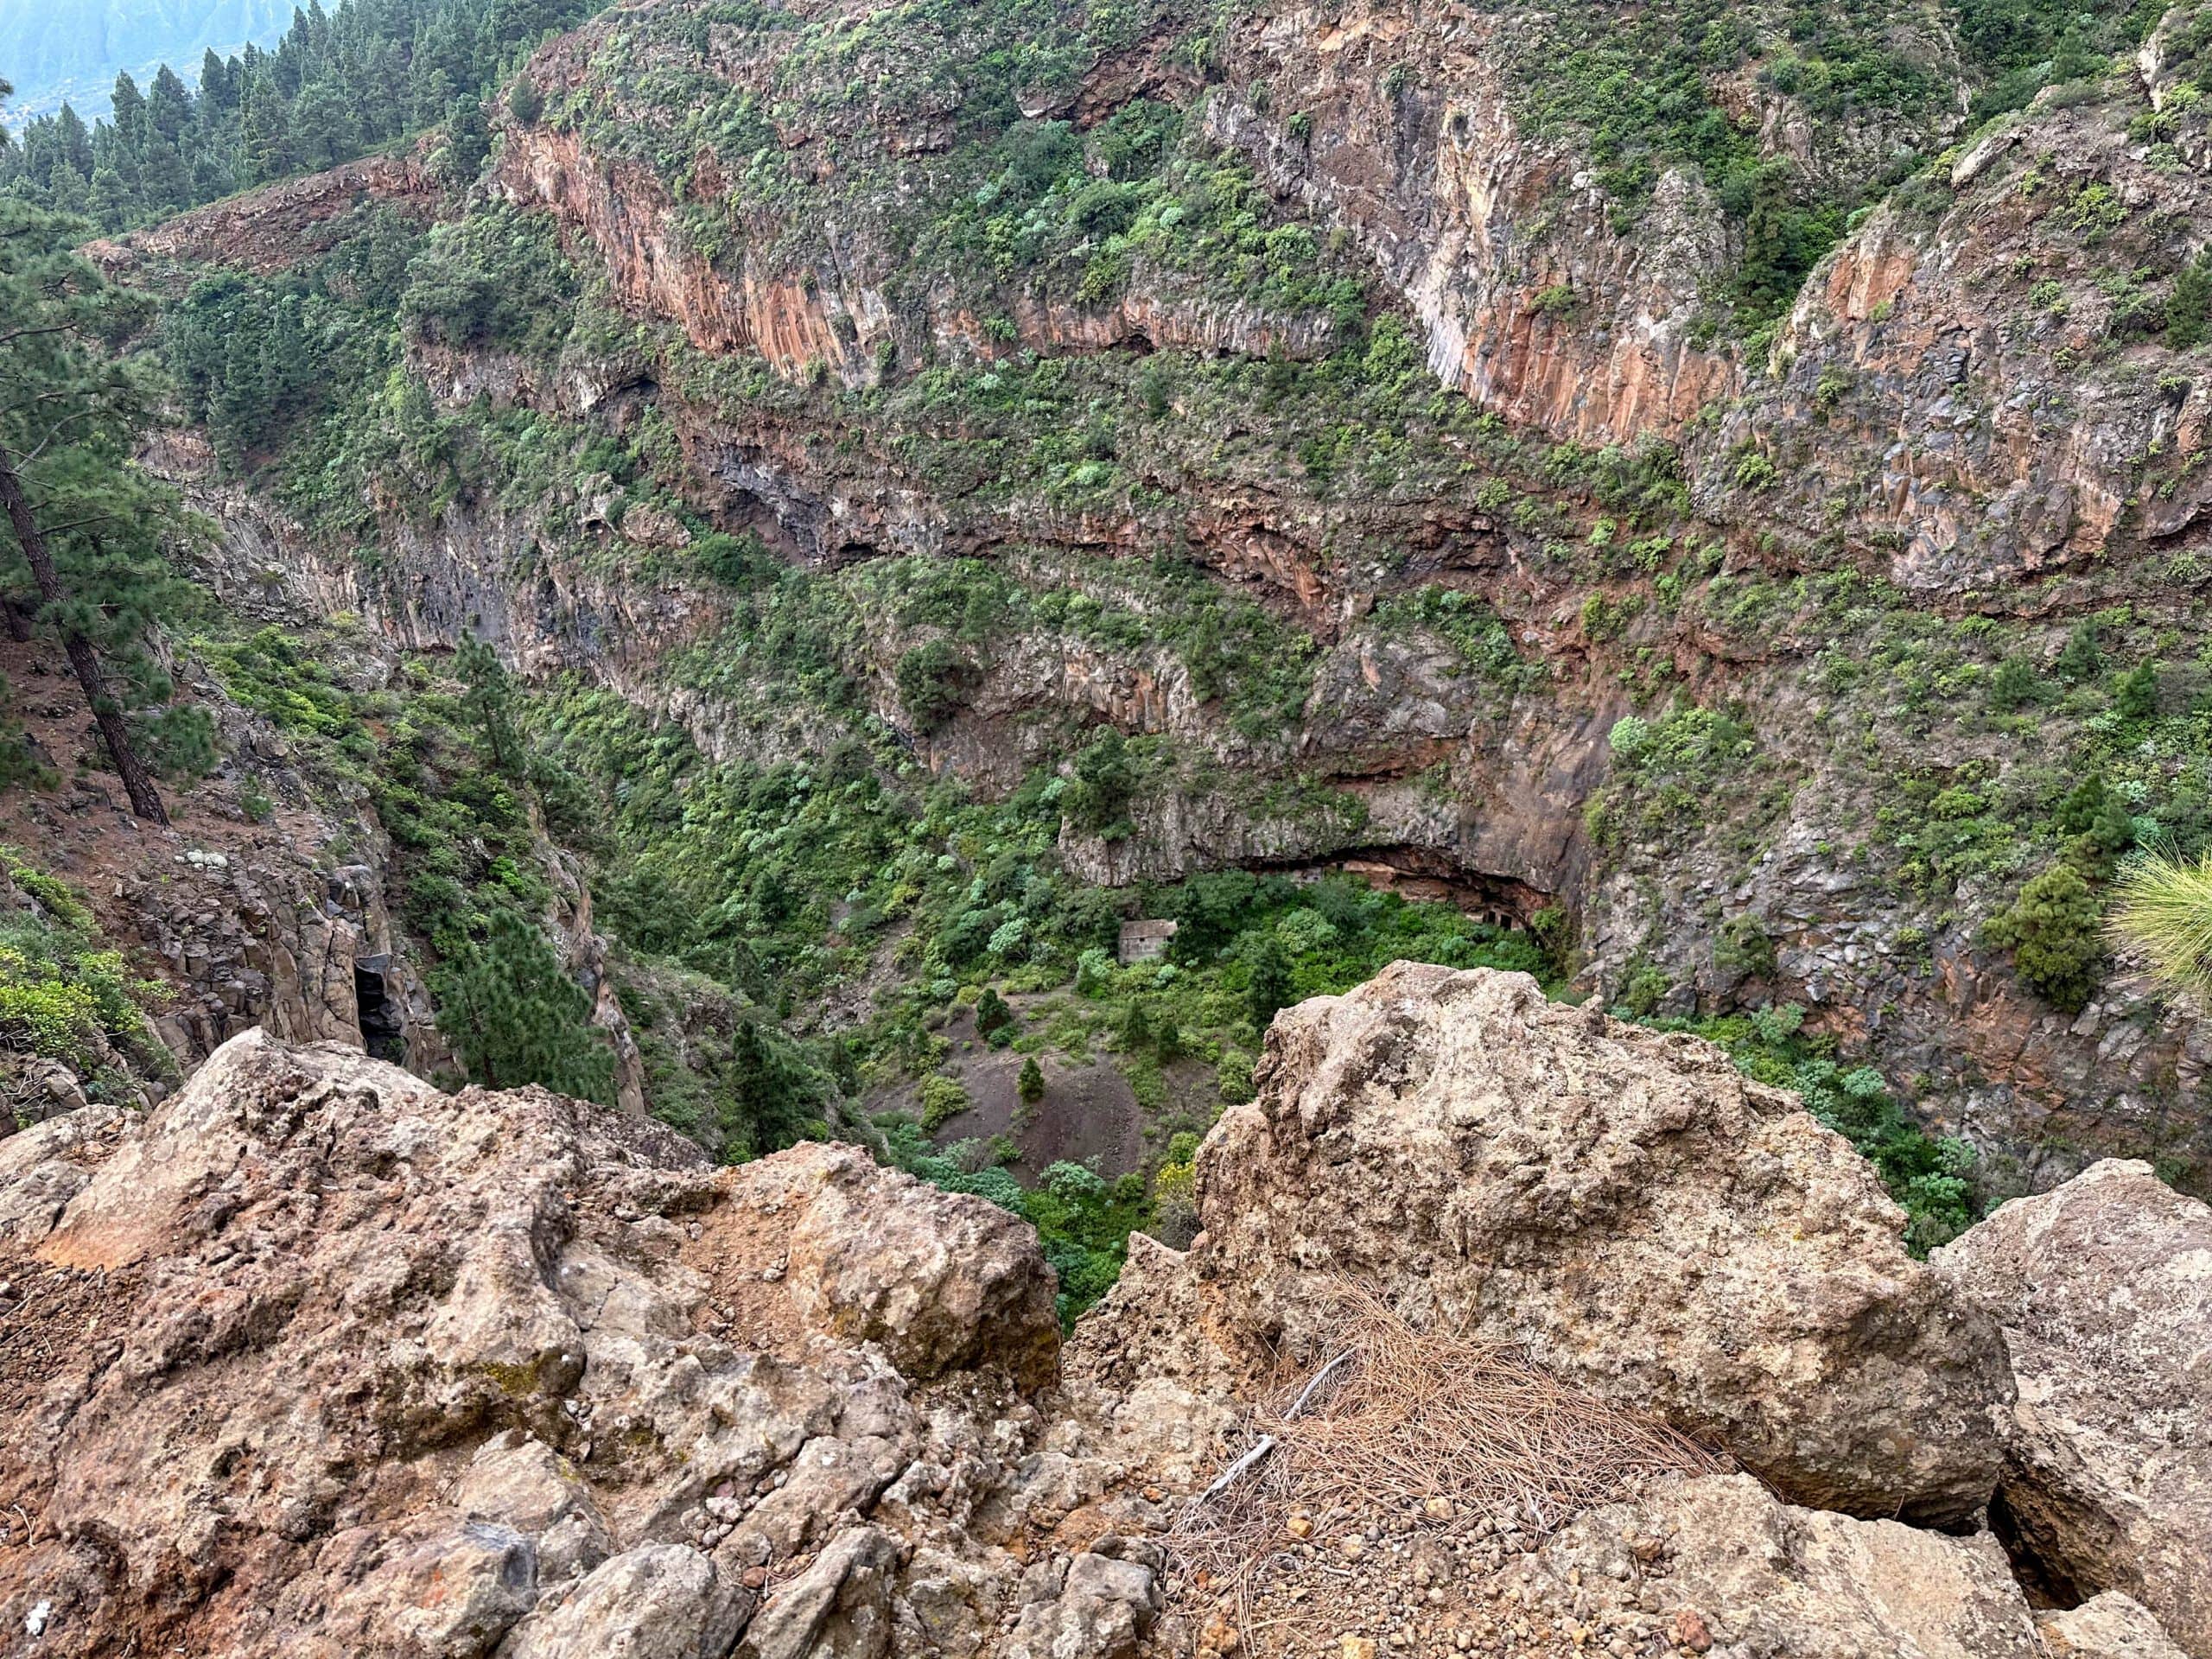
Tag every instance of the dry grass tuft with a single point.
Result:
(2165, 908)
(1398, 1417)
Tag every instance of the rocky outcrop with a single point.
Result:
(274, 229)
(2104, 1290)
(267, 938)
(1725, 1567)
(1625, 1206)
(317, 1361)
(2107, 1626)
(1963, 388)
(940, 1284)
(1502, 245)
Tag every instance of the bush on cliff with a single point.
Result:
(2053, 933)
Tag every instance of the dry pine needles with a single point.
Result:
(1398, 1418)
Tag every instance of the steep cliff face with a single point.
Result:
(1502, 242)
(1970, 384)
(1717, 592)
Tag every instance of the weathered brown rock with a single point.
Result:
(1743, 1573)
(2104, 1290)
(1647, 1223)
(2107, 1626)
(940, 1282)
(314, 1360)
(1145, 1364)
(1109, 1601)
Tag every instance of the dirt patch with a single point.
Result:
(742, 1252)
(1088, 1114)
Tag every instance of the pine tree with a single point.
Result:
(2081, 658)
(763, 1100)
(85, 521)
(168, 107)
(127, 113)
(110, 203)
(2136, 696)
(2053, 933)
(1030, 1085)
(1269, 991)
(1135, 1033)
(515, 1017)
(219, 91)
(74, 142)
(490, 703)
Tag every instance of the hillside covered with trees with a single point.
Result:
(749, 544)
(335, 85)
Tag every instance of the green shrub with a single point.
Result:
(1232, 1078)
(1030, 1085)
(2135, 697)
(1106, 777)
(1744, 947)
(943, 1099)
(1093, 969)
(2052, 931)
(2188, 310)
(1267, 983)
(2081, 658)
(1072, 1182)
(2015, 684)
(1629, 735)
(1754, 471)
(935, 683)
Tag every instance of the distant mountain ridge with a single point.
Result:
(72, 50)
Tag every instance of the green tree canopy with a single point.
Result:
(515, 1017)
(83, 559)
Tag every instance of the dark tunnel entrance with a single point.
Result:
(383, 1027)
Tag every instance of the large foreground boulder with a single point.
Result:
(316, 1360)
(1647, 1224)
(1720, 1564)
(2104, 1289)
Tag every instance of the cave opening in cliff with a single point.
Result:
(384, 1033)
(1428, 873)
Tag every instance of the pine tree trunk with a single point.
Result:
(138, 783)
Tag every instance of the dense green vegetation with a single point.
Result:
(1681, 84)
(335, 87)
(65, 993)
(82, 558)
(809, 920)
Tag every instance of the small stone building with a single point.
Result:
(1144, 941)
